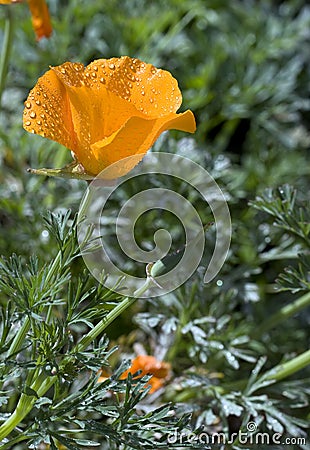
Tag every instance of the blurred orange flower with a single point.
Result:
(111, 109)
(149, 365)
(40, 18)
(39, 15)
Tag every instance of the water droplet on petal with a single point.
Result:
(38, 102)
(28, 123)
(28, 105)
(112, 66)
(32, 115)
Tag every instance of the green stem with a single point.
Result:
(103, 324)
(43, 383)
(25, 404)
(288, 368)
(106, 321)
(6, 49)
(19, 338)
(283, 314)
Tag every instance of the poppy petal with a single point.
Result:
(154, 92)
(135, 138)
(47, 111)
(149, 365)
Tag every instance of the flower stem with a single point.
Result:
(103, 324)
(283, 314)
(106, 321)
(19, 338)
(6, 49)
(25, 404)
(288, 368)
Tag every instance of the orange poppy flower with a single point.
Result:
(40, 18)
(111, 109)
(149, 365)
(39, 15)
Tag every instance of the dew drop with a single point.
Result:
(32, 115)
(102, 80)
(62, 70)
(28, 123)
(38, 102)
(39, 122)
(151, 100)
(112, 66)
(142, 93)
(42, 115)
(93, 75)
(95, 68)
(32, 131)
(28, 105)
